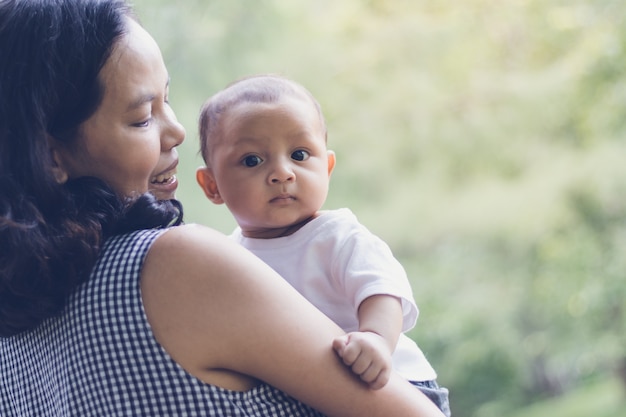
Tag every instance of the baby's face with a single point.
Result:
(271, 166)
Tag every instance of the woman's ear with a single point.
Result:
(58, 170)
(331, 161)
(206, 181)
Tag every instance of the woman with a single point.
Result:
(108, 305)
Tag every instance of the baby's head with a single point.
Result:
(267, 88)
(263, 140)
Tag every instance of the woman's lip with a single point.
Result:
(164, 190)
(163, 185)
(166, 175)
(163, 178)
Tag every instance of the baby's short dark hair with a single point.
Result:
(263, 88)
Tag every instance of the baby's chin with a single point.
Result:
(275, 231)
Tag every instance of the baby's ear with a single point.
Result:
(206, 180)
(331, 161)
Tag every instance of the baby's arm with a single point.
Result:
(226, 317)
(368, 351)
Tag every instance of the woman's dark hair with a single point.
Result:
(51, 52)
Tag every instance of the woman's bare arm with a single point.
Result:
(221, 313)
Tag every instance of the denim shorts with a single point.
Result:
(437, 394)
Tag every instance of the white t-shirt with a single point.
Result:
(336, 263)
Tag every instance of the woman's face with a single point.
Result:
(130, 141)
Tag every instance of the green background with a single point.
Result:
(484, 140)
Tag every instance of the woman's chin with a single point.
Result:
(164, 191)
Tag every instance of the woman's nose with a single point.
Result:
(174, 132)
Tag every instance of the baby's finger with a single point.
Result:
(350, 354)
(381, 379)
(339, 345)
(361, 366)
(369, 374)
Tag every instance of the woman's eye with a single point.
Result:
(300, 155)
(145, 123)
(252, 160)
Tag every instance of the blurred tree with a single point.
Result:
(483, 139)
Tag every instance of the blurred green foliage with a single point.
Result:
(484, 140)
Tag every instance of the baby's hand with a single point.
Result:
(368, 356)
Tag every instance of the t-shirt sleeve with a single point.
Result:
(367, 267)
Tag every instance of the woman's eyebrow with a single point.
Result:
(145, 98)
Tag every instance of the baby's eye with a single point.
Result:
(251, 160)
(300, 155)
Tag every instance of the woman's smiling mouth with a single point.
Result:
(164, 185)
(165, 178)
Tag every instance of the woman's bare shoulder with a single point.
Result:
(194, 254)
(192, 245)
(188, 235)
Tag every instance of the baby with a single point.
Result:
(263, 140)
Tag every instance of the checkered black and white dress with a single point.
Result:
(100, 358)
